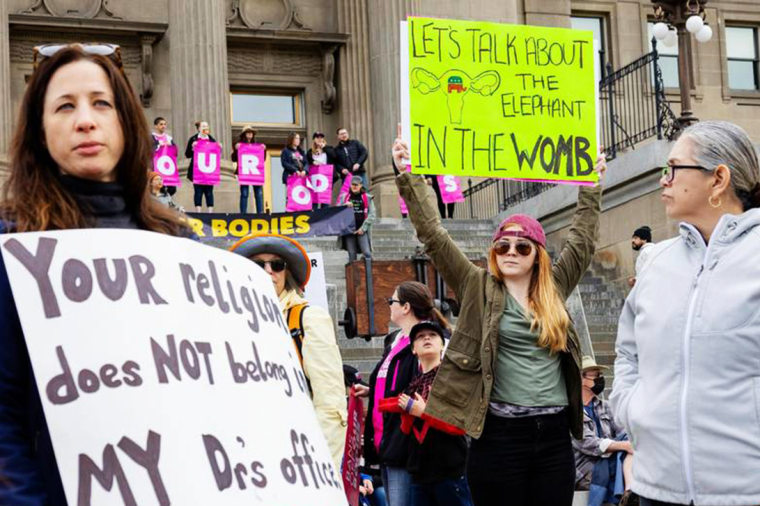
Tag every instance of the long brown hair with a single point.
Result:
(547, 309)
(34, 197)
(420, 300)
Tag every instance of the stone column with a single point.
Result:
(548, 13)
(354, 83)
(384, 72)
(198, 66)
(6, 116)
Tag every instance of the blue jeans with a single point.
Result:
(453, 492)
(258, 193)
(398, 486)
(203, 190)
(378, 497)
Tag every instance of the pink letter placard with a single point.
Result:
(345, 189)
(207, 162)
(165, 163)
(299, 195)
(251, 169)
(451, 189)
(321, 178)
(401, 203)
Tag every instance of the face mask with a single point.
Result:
(598, 387)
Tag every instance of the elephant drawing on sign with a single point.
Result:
(455, 84)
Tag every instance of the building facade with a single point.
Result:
(317, 65)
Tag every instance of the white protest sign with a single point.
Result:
(166, 373)
(316, 288)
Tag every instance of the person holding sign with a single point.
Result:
(248, 136)
(350, 156)
(162, 139)
(364, 214)
(511, 374)
(311, 327)
(199, 190)
(320, 154)
(450, 186)
(71, 166)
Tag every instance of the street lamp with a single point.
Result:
(676, 19)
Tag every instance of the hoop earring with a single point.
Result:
(714, 206)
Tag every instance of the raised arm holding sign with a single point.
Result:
(498, 100)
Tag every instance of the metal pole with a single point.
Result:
(611, 104)
(658, 91)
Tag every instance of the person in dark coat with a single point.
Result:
(199, 190)
(81, 171)
(350, 156)
(248, 136)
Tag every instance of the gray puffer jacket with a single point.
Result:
(687, 373)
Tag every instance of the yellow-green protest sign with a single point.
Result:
(498, 100)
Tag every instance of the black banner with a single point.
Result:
(223, 229)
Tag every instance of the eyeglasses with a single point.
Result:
(112, 51)
(391, 300)
(669, 171)
(522, 248)
(276, 265)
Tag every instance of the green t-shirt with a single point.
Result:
(525, 374)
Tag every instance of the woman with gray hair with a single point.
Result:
(687, 373)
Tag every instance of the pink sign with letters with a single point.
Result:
(401, 202)
(251, 164)
(451, 189)
(207, 162)
(299, 194)
(165, 163)
(320, 179)
(345, 189)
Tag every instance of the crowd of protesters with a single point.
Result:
(500, 409)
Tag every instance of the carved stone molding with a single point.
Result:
(329, 92)
(273, 60)
(146, 43)
(22, 45)
(71, 8)
(266, 15)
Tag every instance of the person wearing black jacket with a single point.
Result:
(350, 156)
(199, 189)
(437, 452)
(384, 442)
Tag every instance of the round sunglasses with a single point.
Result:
(522, 248)
(276, 265)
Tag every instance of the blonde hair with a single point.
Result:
(547, 309)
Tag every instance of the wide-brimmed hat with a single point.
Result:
(249, 128)
(588, 363)
(286, 248)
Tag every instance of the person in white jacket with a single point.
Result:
(285, 260)
(687, 372)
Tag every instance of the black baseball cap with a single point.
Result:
(426, 325)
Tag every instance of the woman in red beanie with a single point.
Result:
(511, 374)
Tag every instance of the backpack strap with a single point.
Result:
(295, 324)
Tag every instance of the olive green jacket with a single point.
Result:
(462, 388)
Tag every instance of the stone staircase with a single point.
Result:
(392, 239)
(603, 291)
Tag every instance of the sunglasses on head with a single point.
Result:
(112, 51)
(276, 265)
(522, 248)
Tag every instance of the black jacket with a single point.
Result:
(347, 154)
(329, 151)
(290, 165)
(190, 153)
(394, 447)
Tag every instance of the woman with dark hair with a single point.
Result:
(200, 190)
(687, 380)
(77, 160)
(511, 374)
(293, 158)
(384, 441)
(320, 154)
(248, 136)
